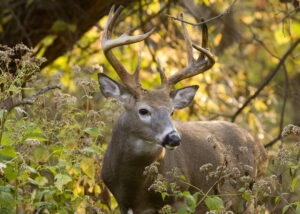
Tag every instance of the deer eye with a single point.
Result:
(144, 112)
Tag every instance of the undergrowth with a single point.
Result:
(51, 150)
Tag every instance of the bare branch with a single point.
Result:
(286, 90)
(226, 11)
(10, 103)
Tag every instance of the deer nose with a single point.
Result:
(172, 140)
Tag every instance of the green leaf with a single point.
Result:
(214, 203)
(298, 209)
(90, 149)
(61, 180)
(14, 89)
(41, 180)
(285, 208)
(6, 199)
(72, 27)
(41, 154)
(242, 189)
(7, 138)
(2, 112)
(294, 182)
(63, 211)
(59, 25)
(246, 196)
(94, 132)
(182, 177)
(276, 199)
(8, 151)
(10, 173)
(163, 195)
(88, 167)
(184, 209)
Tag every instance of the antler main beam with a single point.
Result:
(195, 66)
(130, 80)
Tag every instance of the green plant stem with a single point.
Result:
(206, 194)
(191, 185)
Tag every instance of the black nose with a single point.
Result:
(172, 140)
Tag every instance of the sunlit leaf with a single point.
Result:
(10, 172)
(285, 208)
(294, 182)
(61, 180)
(94, 132)
(8, 151)
(88, 167)
(214, 203)
(7, 138)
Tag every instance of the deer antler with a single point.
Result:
(195, 66)
(130, 80)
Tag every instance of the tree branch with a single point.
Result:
(226, 11)
(9, 103)
(267, 80)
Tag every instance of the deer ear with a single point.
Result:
(182, 97)
(111, 88)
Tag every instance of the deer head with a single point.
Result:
(149, 111)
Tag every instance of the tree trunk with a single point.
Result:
(30, 23)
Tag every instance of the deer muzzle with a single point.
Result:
(172, 140)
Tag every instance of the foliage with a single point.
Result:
(51, 152)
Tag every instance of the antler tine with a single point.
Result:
(163, 78)
(130, 80)
(188, 42)
(204, 62)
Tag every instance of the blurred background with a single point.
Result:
(52, 141)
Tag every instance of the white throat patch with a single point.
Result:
(129, 211)
(142, 146)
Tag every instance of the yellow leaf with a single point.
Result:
(247, 19)
(260, 106)
(88, 167)
(218, 39)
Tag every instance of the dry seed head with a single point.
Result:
(211, 139)
(2, 168)
(235, 172)
(248, 168)
(283, 156)
(243, 149)
(206, 167)
(33, 142)
(290, 129)
(167, 209)
(245, 179)
(152, 169)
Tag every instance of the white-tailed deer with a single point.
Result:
(145, 132)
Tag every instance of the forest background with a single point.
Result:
(55, 124)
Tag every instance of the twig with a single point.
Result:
(255, 37)
(286, 90)
(279, 137)
(267, 80)
(45, 89)
(226, 11)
